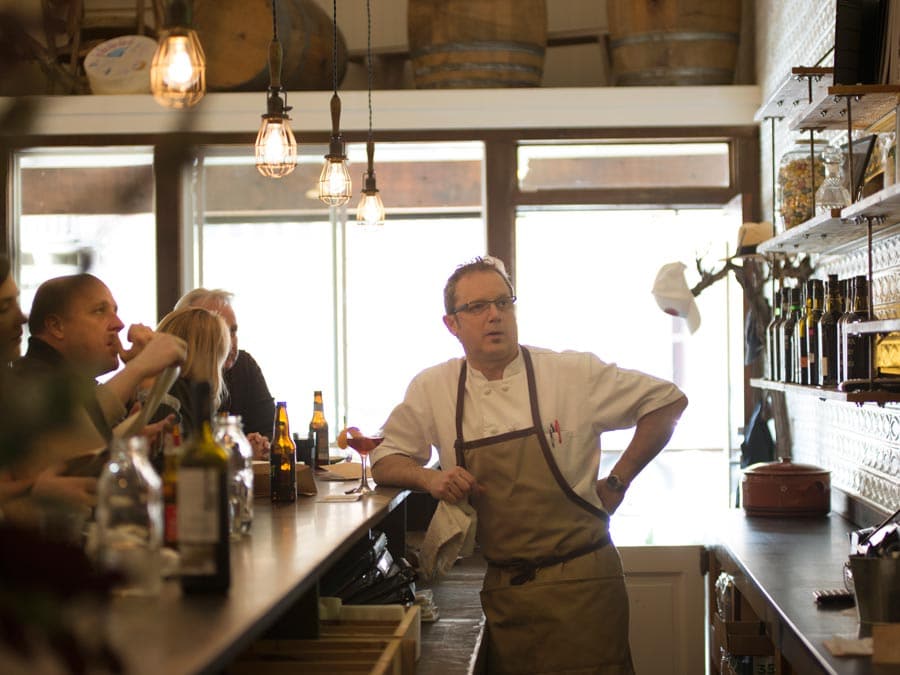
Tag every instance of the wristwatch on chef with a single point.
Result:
(616, 484)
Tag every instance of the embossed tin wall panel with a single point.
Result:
(860, 445)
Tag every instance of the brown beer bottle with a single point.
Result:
(318, 432)
(282, 458)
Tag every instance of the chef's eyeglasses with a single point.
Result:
(477, 307)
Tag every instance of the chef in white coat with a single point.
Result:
(517, 429)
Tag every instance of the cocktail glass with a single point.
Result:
(363, 443)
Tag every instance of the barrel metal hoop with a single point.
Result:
(672, 75)
(472, 67)
(680, 36)
(478, 46)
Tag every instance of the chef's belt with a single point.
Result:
(525, 570)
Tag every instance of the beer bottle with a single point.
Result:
(203, 537)
(318, 432)
(816, 289)
(282, 458)
(171, 456)
(828, 333)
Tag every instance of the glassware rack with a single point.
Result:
(811, 103)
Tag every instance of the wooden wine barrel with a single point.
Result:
(473, 43)
(235, 35)
(673, 42)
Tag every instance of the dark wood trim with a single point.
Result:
(6, 192)
(501, 186)
(169, 165)
(659, 197)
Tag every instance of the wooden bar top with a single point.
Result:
(780, 562)
(288, 548)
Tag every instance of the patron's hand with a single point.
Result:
(160, 351)
(139, 336)
(453, 485)
(260, 445)
(49, 484)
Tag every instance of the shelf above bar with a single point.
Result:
(793, 95)
(831, 234)
(828, 393)
(870, 103)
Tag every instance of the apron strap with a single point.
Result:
(460, 396)
(545, 447)
(525, 570)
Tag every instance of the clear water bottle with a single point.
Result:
(130, 518)
(230, 435)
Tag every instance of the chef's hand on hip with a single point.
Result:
(611, 498)
(453, 485)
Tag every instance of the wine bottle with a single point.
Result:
(801, 351)
(828, 332)
(282, 458)
(849, 292)
(203, 537)
(859, 352)
(171, 457)
(816, 290)
(318, 432)
(787, 335)
(773, 357)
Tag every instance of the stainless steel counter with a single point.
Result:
(274, 574)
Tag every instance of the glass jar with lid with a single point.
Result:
(797, 181)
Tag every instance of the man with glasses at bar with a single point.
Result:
(518, 430)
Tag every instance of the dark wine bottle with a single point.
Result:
(859, 345)
(815, 288)
(828, 332)
(787, 335)
(202, 514)
(772, 355)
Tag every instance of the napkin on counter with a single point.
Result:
(450, 534)
(840, 645)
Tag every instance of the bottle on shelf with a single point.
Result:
(772, 356)
(787, 334)
(816, 289)
(282, 458)
(230, 435)
(171, 458)
(831, 314)
(203, 536)
(849, 292)
(318, 432)
(801, 351)
(858, 354)
(832, 194)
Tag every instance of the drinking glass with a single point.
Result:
(363, 443)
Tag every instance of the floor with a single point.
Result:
(450, 643)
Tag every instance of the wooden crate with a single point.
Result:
(383, 621)
(372, 656)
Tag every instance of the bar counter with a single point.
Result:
(274, 573)
(778, 563)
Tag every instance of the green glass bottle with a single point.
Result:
(816, 289)
(828, 348)
(202, 513)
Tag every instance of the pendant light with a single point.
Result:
(178, 69)
(276, 147)
(370, 211)
(335, 186)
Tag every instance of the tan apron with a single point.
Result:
(554, 594)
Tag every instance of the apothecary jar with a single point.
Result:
(797, 183)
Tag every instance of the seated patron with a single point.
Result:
(247, 392)
(208, 344)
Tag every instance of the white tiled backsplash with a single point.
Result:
(860, 445)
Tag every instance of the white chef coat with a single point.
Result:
(584, 394)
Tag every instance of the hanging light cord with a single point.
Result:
(275, 20)
(334, 46)
(369, 57)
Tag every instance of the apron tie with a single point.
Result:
(525, 570)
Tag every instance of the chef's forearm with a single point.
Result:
(651, 434)
(402, 471)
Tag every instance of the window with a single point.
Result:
(88, 209)
(324, 304)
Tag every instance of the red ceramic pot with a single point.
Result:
(786, 489)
